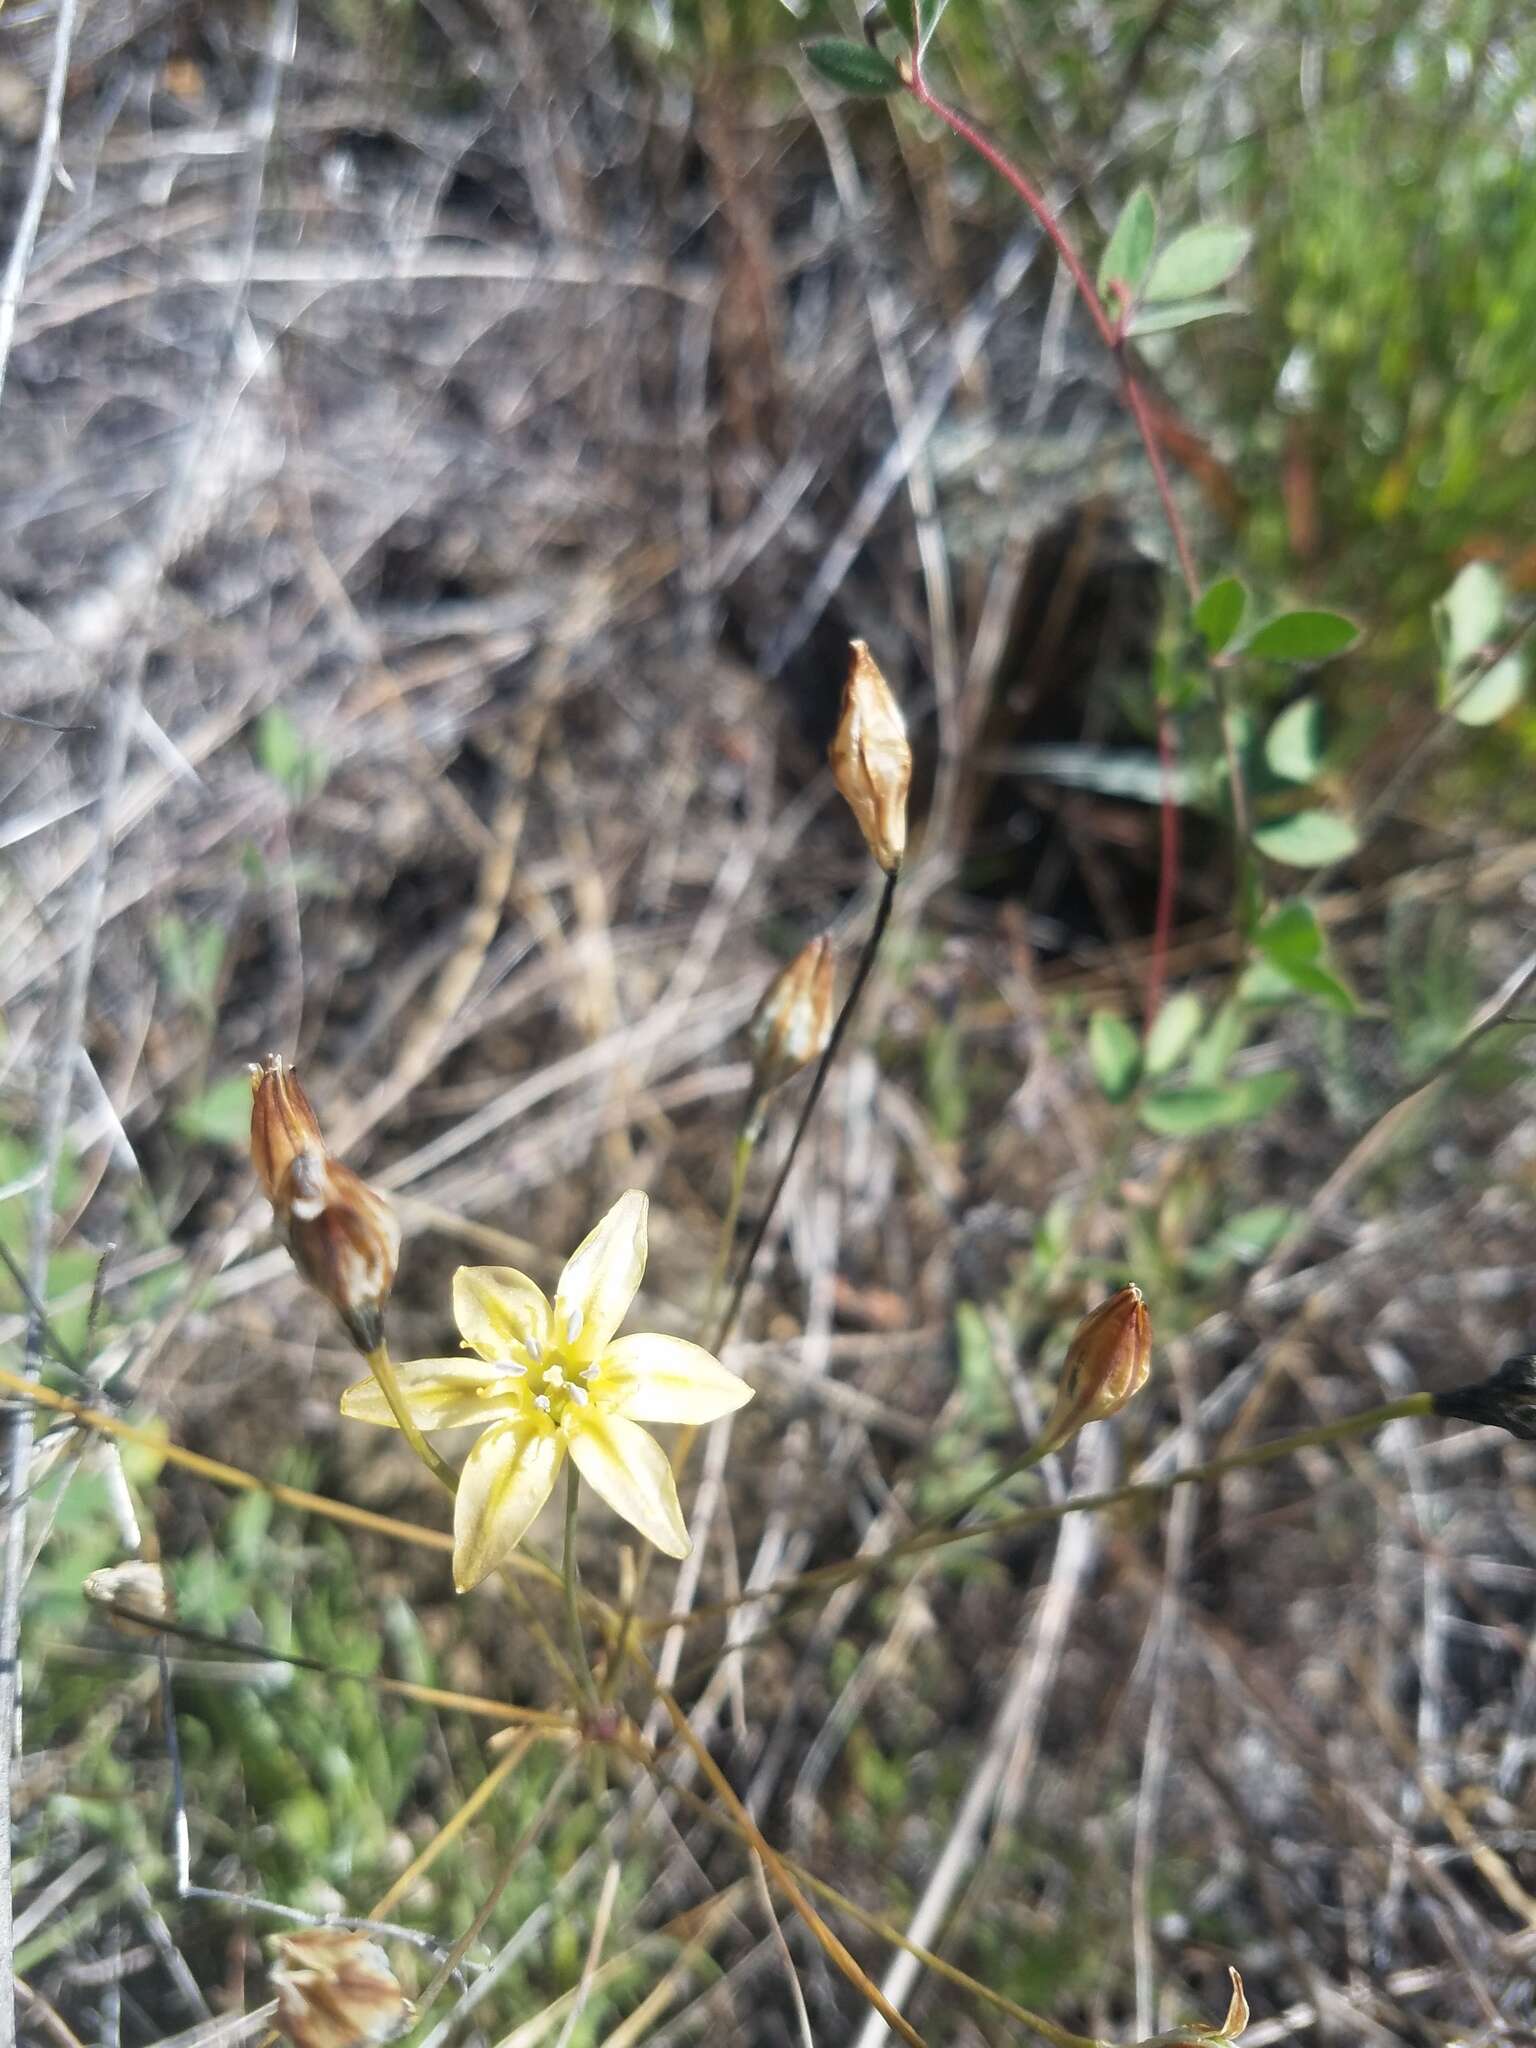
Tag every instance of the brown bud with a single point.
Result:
(1107, 1363)
(791, 1025)
(342, 1234)
(133, 1592)
(1506, 1399)
(871, 760)
(335, 1989)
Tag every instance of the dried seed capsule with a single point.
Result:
(871, 760)
(1506, 1399)
(791, 1025)
(335, 1989)
(1107, 1363)
(136, 1584)
(341, 1234)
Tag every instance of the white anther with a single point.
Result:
(542, 1401)
(534, 1349)
(512, 1366)
(573, 1326)
(579, 1395)
(590, 1372)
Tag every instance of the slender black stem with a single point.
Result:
(861, 975)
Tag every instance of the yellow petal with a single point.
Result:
(630, 1471)
(664, 1379)
(498, 1310)
(506, 1479)
(441, 1393)
(600, 1280)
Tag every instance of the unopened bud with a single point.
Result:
(133, 1592)
(871, 760)
(341, 1234)
(1507, 1399)
(1107, 1363)
(791, 1025)
(1198, 2036)
(335, 1989)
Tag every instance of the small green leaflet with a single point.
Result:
(902, 19)
(853, 67)
(1303, 636)
(929, 14)
(1183, 313)
(1290, 943)
(1198, 261)
(1307, 839)
(1220, 612)
(1485, 701)
(1129, 248)
(1114, 1054)
(1293, 746)
(1188, 1112)
(1470, 614)
(222, 1116)
(1173, 1032)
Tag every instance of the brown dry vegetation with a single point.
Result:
(444, 458)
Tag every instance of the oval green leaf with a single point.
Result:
(1163, 319)
(1197, 261)
(1129, 248)
(1293, 746)
(1488, 697)
(1308, 839)
(1114, 1053)
(1303, 636)
(1470, 614)
(1174, 1031)
(1220, 612)
(853, 67)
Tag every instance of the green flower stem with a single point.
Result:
(382, 1368)
(826, 1577)
(746, 1144)
(571, 1576)
(861, 976)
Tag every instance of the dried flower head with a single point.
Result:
(549, 1380)
(335, 1989)
(1107, 1363)
(342, 1234)
(791, 1025)
(136, 1585)
(1506, 1399)
(1200, 2036)
(871, 760)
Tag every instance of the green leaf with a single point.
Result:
(1293, 746)
(853, 67)
(287, 757)
(1220, 612)
(1486, 701)
(1114, 1054)
(1303, 636)
(1174, 1031)
(1221, 1044)
(1291, 936)
(1307, 839)
(1197, 261)
(1317, 981)
(1188, 1112)
(902, 18)
(929, 14)
(1470, 614)
(1163, 319)
(221, 1116)
(1129, 248)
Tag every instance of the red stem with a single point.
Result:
(1113, 339)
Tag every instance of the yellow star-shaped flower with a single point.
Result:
(546, 1379)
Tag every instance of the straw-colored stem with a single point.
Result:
(382, 1368)
(569, 1572)
(746, 1143)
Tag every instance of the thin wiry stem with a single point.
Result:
(824, 1578)
(570, 1573)
(861, 976)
